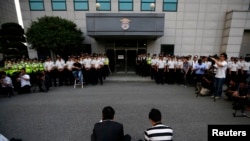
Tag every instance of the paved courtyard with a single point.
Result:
(68, 114)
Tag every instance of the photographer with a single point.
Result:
(220, 75)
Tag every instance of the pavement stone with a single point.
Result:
(68, 114)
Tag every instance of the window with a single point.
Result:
(167, 49)
(36, 5)
(125, 5)
(146, 5)
(105, 5)
(81, 5)
(170, 5)
(59, 5)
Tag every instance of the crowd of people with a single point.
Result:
(25, 75)
(208, 74)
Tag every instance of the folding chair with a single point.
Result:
(78, 83)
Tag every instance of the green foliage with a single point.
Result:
(54, 33)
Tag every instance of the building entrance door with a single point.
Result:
(125, 60)
(122, 54)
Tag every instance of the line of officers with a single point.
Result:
(180, 69)
(94, 67)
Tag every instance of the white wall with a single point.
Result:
(197, 28)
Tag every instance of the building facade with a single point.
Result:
(130, 27)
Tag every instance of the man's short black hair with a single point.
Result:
(224, 54)
(108, 113)
(154, 115)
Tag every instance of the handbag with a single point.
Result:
(204, 91)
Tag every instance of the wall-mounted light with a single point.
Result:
(97, 5)
(152, 6)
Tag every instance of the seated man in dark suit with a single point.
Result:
(107, 129)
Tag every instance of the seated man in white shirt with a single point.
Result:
(24, 79)
(6, 85)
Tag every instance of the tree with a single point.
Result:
(12, 40)
(56, 34)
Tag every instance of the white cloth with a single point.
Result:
(171, 64)
(246, 66)
(179, 64)
(233, 67)
(221, 71)
(48, 65)
(25, 82)
(69, 64)
(240, 64)
(7, 80)
(161, 64)
(60, 64)
(208, 65)
(95, 63)
(87, 63)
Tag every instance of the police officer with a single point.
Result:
(68, 70)
(149, 61)
(49, 68)
(87, 69)
(160, 68)
(60, 64)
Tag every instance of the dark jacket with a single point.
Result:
(107, 131)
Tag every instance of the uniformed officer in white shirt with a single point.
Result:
(49, 67)
(245, 68)
(68, 71)
(60, 66)
(160, 68)
(87, 69)
(179, 67)
(153, 67)
(171, 70)
(95, 63)
(233, 70)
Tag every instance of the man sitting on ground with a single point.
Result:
(6, 84)
(159, 131)
(24, 79)
(107, 129)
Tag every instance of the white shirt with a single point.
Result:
(233, 67)
(171, 64)
(87, 63)
(95, 63)
(194, 63)
(240, 64)
(25, 82)
(69, 64)
(7, 80)
(161, 64)
(60, 64)
(208, 65)
(246, 66)
(221, 71)
(48, 65)
(179, 64)
(153, 62)
(101, 61)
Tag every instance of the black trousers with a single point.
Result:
(24, 89)
(7, 90)
(160, 76)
